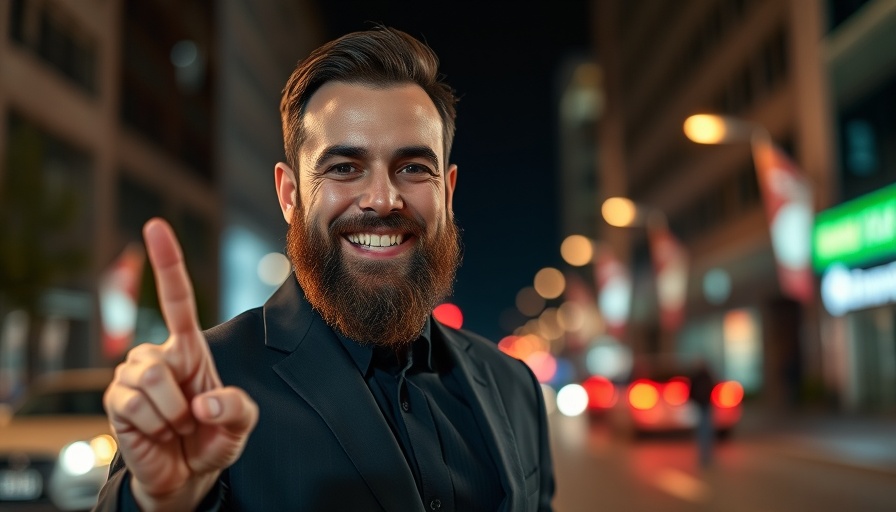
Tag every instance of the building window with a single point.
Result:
(136, 205)
(57, 39)
(167, 79)
(46, 210)
(71, 53)
(868, 141)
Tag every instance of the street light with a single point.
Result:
(622, 212)
(669, 257)
(785, 191)
(716, 129)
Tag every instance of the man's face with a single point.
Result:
(372, 238)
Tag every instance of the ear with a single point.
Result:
(287, 189)
(450, 183)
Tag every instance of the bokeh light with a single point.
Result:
(550, 283)
(727, 394)
(601, 392)
(572, 400)
(577, 250)
(571, 316)
(273, 268)
(619, 211)
(676, 392)
(716, 286)
(705, 129)
(643, 395)
(529, 302)
(542, 364)
(548, 324)
(449, 314)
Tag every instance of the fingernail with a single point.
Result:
(213, 406)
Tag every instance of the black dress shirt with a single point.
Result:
(419, 394)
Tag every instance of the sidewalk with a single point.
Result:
(861, 442)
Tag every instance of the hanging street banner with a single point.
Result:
(787, 195)
(614, 292)
(670, 263)
(118, 293)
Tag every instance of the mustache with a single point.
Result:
(372, 221)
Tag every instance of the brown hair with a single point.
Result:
(378, 57)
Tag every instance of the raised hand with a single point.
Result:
(177, 426)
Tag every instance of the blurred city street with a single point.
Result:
(646, 188)
(770, 464)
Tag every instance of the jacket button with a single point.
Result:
(435, 504)
(407, 407)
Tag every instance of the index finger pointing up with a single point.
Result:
(172, 282)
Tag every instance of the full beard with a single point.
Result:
(377, 302)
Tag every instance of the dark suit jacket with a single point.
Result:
(321, 442)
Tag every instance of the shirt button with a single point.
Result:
(407, 407)
(435, 504)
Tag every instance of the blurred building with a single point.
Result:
(820, 77)
(114, 111)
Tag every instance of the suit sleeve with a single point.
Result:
(115, 496)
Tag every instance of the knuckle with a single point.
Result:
(152, 374)
(133, 403)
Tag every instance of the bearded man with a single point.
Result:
(341, 392)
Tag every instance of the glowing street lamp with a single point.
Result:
(785, 191)
(622, 212)
(668, 255)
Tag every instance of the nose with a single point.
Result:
(381, 195)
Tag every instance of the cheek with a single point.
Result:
(327, 202)
(431, 206)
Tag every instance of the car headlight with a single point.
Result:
(81, 456)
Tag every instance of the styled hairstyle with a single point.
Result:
(378, 57)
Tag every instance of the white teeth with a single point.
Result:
(374, 240)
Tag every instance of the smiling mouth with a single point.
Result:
(375, 240)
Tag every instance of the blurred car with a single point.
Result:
(655, 398)
(56, 445)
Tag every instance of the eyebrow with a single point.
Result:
(337, 150)
(340, 150)
(424, 152)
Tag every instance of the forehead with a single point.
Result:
(372, 117)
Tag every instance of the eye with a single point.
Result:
(343, 169)
(416, 169)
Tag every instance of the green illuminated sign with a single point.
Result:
(859, 231)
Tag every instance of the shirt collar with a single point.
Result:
(420, 350)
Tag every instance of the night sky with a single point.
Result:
(501, 58)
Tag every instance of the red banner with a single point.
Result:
(118, 292)
(614, 292)
(787, 195)
(670, 263)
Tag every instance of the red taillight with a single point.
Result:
(727, 394)
(601, 392)
(643, 394)
(676, 391)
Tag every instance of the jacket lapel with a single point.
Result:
(491, 416)
(319, 370)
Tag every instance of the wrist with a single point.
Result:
(188, 497)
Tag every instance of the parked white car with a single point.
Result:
(56, 445)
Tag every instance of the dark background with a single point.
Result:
(502, 59)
